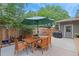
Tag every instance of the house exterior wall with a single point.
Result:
(62, 28)
(75, 27)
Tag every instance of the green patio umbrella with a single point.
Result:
(38, 20)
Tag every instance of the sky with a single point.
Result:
(69, 7)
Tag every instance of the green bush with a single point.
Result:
(77, 35)
(27, 31)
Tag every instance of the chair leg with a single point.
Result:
(27, 50)
(46, 48)
(15, 53)
(42, 50)
(33, 47)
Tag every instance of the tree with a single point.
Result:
(77, 14)
(2, 13)
(30, 14)
(53, 12)
(15, 13)
(11, 14)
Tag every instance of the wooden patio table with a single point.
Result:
(45, 37)
(30, 41)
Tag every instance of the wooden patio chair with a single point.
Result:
(20, 46)
(47, 32)
(43, 43)
(30, 41)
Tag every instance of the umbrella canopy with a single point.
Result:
(37, 20)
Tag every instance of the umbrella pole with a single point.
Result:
(37, 28)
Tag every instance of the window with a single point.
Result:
(68, 28)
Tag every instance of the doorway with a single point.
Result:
(68, 31)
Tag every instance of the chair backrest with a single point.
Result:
(47, 32)
(28, 37)
(44, 42)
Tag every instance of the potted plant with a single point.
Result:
(77, 35)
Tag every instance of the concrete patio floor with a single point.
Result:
(59, 47)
